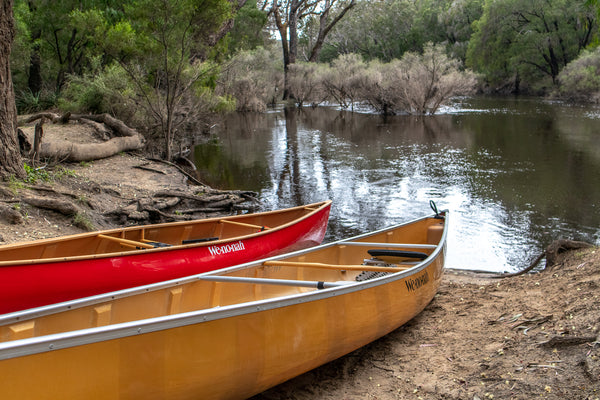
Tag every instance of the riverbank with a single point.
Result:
(481, 338)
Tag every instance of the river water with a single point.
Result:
(515, 174)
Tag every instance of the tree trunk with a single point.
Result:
(325, 26)
(10, 157)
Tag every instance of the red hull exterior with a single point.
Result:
(33, 285)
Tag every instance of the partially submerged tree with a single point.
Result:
(10, 157)
(418, 83)
(306, 82)
(344, 81)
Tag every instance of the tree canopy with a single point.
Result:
(529, 40)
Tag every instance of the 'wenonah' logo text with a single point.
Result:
(226, 248)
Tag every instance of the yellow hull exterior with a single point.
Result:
(225, 353)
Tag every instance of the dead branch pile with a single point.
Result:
(178, 205)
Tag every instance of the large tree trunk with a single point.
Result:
(10, 157)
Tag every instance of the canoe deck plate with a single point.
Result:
(366, 275)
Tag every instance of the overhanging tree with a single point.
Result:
(163, 45)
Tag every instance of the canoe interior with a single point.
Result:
(197, 294)
(151, 237)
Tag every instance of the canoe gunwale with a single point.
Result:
(313, 209)
(23, 347)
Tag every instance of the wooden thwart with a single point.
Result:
(334, 266)
(126, 242)
(262, 228)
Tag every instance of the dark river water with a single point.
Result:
(515, 174)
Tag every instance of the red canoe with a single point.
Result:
(47, 271)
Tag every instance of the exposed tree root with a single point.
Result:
(560, 246)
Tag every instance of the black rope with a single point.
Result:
(435, 209)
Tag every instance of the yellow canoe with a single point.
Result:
(226, 334)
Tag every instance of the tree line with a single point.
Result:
(169, 66)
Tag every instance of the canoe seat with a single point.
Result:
(397, 253)
(158, 244)
(190, 241)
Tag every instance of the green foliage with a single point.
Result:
(14, 184)
(457, 21)
(28, 102)
(110, 90)
(59, 35)
(36, 174)
(21, 47)
(385, 30)
(61, 173)
(528, 41)
(248, 31)
(580, 79)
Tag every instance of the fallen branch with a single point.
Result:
(189, 176)
(143, 167)
(562, 341)
(116, 125)
(76, 152)
(61, 206)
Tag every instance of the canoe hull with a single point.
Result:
(24, 286)
(259, 350)
(230, 349)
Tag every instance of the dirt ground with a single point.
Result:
(524, 337)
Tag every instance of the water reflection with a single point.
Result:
(515, 174)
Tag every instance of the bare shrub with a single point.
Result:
(416, 84)
(430, 79)
(580, 79)
(305, 82)
(343, 81)
(379, 88)
(253, 78)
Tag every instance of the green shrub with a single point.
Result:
(109, 91)
(28, 102)
(35, 174)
